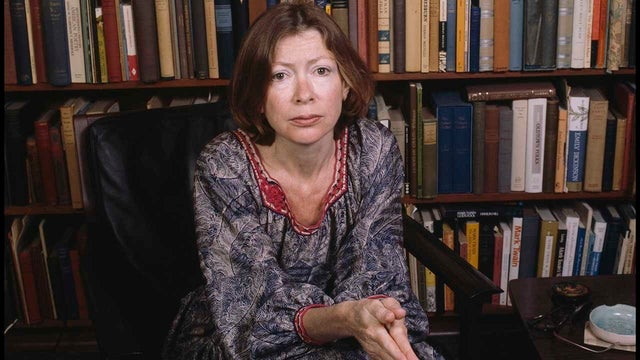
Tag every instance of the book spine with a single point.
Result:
(30, 288)
(75, 41)
(462, 138)
(460, 34)
(425, 24)
(474, 39)
(550, 145)
(81, 298)
(146, 39)
(491, 148)
(181, 46)
(505, 146)
(371, 37)
(434, 34)
(504, 266)
(561, 245)
(479, 123)
(602, 15)
(519, 108)
(352, 20)
(559, 177)
(111, 43)
(102, 47)
(165, 48)
(580, 12)
(38, 39)
(32, 51)
(596, 133)
(212, 41)
(413, 38)
(40, 276)
(200, 47)
(529, 243)
(429, 154)
(36, 185)
(546, 249)
(43, 142)
(59, 166)
(609, 152)
(132, 53)
(514, 256)
(564, 34)
(532, 47)
(451, 36)
(442, 36)
(188, 37)
(501, 25)
(516, 31)
(86, 19)
(577, 122)
(588, 43)
(10, 75)
(224, 32)
(486, 35)
(21, 42)
(66, 271)
(445, 149)
(384, 36)
(399, 36)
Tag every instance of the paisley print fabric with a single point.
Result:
(261, 267)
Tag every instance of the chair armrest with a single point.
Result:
(455, 271)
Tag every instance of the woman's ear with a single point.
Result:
(345, 91)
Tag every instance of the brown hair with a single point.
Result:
(252, 70)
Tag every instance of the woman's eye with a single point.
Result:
(323, 71)
(278, 76)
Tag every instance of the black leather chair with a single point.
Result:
(142, 240)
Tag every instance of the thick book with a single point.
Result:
(510, 90)
(491, 148)
(429, 154)
(596, 133)
(22, 53)
(111, 42)
(616, 229)
(398, 36)
(609, 151)
(165, 47)
(550, 145)
(42, 128)
(501, 25)
(55, 35)
(413, 36)
(200, 47)
(624, 98)
(529, 243)
(516, 31)
(577, 123)
(547, 242)
(564, 34)
(224, 33)
(10, 76)
(548, 36)
(487, 35)
(519, 137)
(18, 124)
(505, 146)
(478, 168)
(535, 139)
(59, 164)
(71, 107)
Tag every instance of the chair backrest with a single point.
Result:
(142, 239)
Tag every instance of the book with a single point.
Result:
(598, 231)
(442, 35)
(412, 36)
(59, 164)
(516, 244)
(240, 21)
(186, 22)
(23, 54)
(71, 107)
(34, 175)
(10, 76)
(547, 242)
(146, 39)
(609, 151)
(75, 42)
(429, 153)
(415, 137)
(451, 36)
(600, 21)
(478, 159)
(42, 128)
(487, 35)
(18, 124)
(561, 158)
(501, 25)
(540, 28)
(564, 34)
(505, 146)
(624, 98)
(516, 32)
(55, 42)
(461, 22)
(131, 48)
(580, 239)
(577, 124)
(519, 137)
(617, 19)
(425, 40)
(628, 250)
(596, 132)
(473, 49)
(550, 145)
(200, 33)
(62, 250)
(585, 212)
(616, 229)
(535, 139)
(111, 41)
(530, 234)
(448, 239)
(506, 254)
(579, 33)
(471, 230)
(165, 48)
(618, 156)
(398, 31)
(571, 220)
(491, 148)
(384, 36)
(510, 91)
(101, 55)
(434, 34)
(224, 34)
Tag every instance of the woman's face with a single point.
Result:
(304, 98)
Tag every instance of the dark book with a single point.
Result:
(510, 91)
(616, 229)
(479, 120)
(62, 249)
(550, 145)
(23, 232)
(549, 34)
(41, 280)
(451, 36)
(59, 164)
(38, 39)
(632, 37)
(624, 100)
(188, 37)
(42, 128)
(398, 36)
(182, 40)
(609, 151)
(21, 42)
(540, 29)
(225, 37)
(429, 154)
(34, 175)
(240, 14)
(474, 39)
(55, 40)
(516, 29)
(200, 59)
(12, 306)
(491, 149)
(10, 76)
(372, 36)
(18, 124)
(80, 276)
(486, 246)
(340, 14)
(462, 140)
(561, 245)
(529, 243)
(144, 16)
(505, 144)
(111, 42)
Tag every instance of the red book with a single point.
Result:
(497, 261)
(10, 75)
(43, 143)
(111, 42)
(41, 280)
(30, 287)
(491, 148)
(38, 42)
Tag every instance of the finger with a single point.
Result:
(394, 306)
(398, 331)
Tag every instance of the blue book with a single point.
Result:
(577, 122)
(529, 243)
(240, 13)
(54, 32)
(516, 30)
(224, 36)
(598, 232)
(451, 35)
(580, 244)
(66, 274)
(22, 55)
(454, 141)
(474, 39)
(615, 231)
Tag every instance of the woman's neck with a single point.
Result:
(303, 161)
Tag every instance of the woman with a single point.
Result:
(298, 213)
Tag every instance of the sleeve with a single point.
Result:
(239, 263)
(372, 261)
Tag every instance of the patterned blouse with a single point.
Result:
(261, 266)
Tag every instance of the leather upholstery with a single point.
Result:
(142, 239)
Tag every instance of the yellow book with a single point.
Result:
(472, 231)
(67, 111)
(448, 239)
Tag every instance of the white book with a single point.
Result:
(32, 58)
(519, 135)
(506, 254)
(427, 219)
(413, 35)
(627, 251)
(516, 244)
(579, 33)
(587, 38)
(398, 129)
(75, 41)
(384, 36)
(534, 146)
(425, 20)
(546, 250)
(585, 211)
(486, 35)
(598, 230)
(382, 110)
(572, 220)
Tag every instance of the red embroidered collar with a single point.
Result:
(273, 196)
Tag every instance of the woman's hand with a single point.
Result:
(378, 325)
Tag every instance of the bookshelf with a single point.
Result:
(391, 85)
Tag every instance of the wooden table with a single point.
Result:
(532, 296)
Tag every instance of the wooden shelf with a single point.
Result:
(52, 336)
(125, 85)
(41, 210)
(515, 197)
(499, 75)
